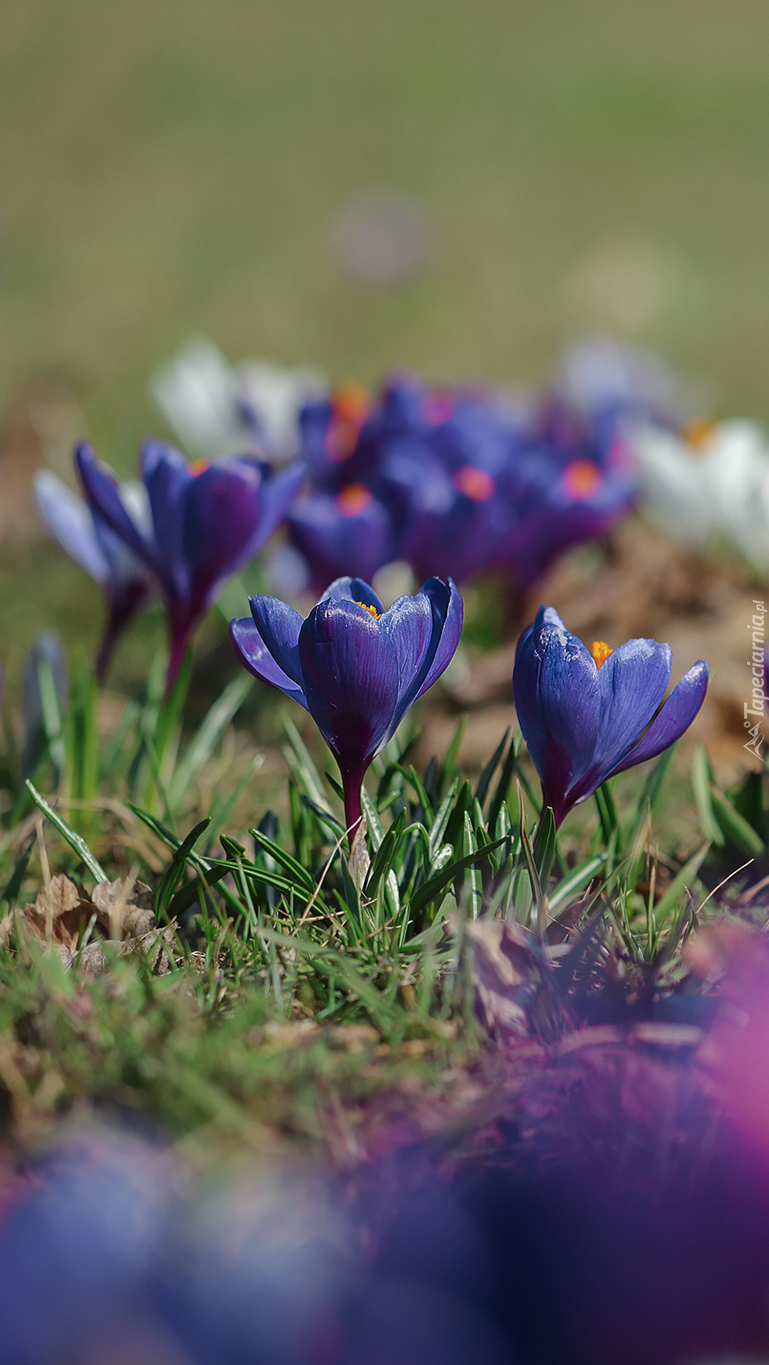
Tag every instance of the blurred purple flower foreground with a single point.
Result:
(588, 715)
(206, 523)
(354, 666)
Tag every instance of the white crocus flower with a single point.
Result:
(197, 393)
(272, 397)
(715, 482)
(738, 467)
(216, 408)
(675, 488)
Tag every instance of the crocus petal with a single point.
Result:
(632, 682)
(330, 540)
(351, 678)
(221, 512)
(278, 492)
(409, 626)
(448, 610)
(278, 626)
(555, 685)
(353, 590)
(673, 719)
(165, 474)
(254, 654)
(103, 493)
(70, 522)
(544, 534)
(425, 631)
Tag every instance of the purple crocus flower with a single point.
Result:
(562, 506)
(128, 582)
(207, 521)
(455, 482)
(350, 532)
(588, 715)
(354, 666)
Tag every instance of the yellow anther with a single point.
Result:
(698, 434)
(600, 652)
(373, 610)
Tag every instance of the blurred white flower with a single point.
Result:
(711, 480)
(738, 462)
(216, 408)
(270, 399)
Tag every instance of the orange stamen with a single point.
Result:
(353, 499)
(199, 466)
(376, 614)
(351, 403)
(582, 478)
(600, 652)
(475, 483)
(698, 434)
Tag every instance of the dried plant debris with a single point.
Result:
(75, 923)
(513, 981)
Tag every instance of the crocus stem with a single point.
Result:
(352, 783)
(178, 649)
(109, 639)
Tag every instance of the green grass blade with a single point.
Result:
(173, 873)
(701, 780)
(545, 846)
(303, 878)
(435, 885)
(575, 880)
(484, 781)
(303, 768)
(75, 841)
(373, 822)
(206, 737)
(191, 892)
(734, 825)
(667, 903)
(503, 785)
(384, 855)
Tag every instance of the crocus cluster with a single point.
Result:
(354, 666)
(181, 532)
(587, 714)
(453, 482)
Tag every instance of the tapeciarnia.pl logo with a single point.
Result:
(756, 707)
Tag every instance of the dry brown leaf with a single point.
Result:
(511, 980)
(59, 913)
(119, 911)
(125, 907)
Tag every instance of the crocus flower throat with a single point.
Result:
(600, 652)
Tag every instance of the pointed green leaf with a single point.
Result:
(74, 840)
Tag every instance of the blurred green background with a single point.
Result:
(175, 166)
